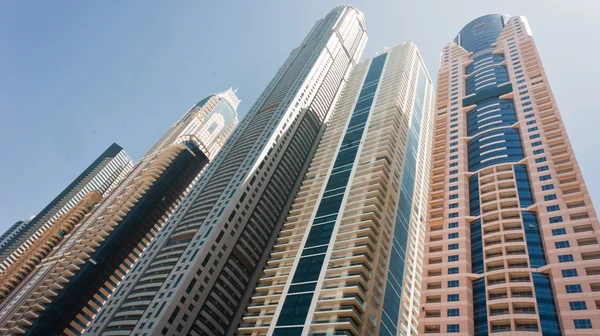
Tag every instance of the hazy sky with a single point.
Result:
(76, 76)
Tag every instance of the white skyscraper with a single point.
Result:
(349, 256)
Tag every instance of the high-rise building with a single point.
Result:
(45, 243)
(512, 237)
(102, 175)
(14, 230)
(197, 276)
(69, 288)
(348, 258)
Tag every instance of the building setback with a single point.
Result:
(197, 276)
(70, 288)
(512, 240)
(348, 258)
(102, 175)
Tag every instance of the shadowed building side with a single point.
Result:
(70, 288)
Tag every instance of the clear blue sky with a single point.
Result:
(76, 76)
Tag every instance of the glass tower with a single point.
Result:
(197, 276)
(102, 175)
(70, 287)
(512, 240)
(348, 258)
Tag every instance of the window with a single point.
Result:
(562, 244)
(452, 246)
(550, 197)
(453, 312)
(540, 160)
(573, 289)
(552, 208)
(453, 157)
(556, 219)
(538, 151)
(453, 235)
(454, 137)
(452, 283)
(528, 109)
(532, 129)
(452, 188)
(582, 324)
(453, 270)
(578, 305)
(531, 122)
(480, 28)
(452, 225)
(453, 258)
(548, 187)
(558, 232)
(452, 180)
(453, 196)
(569, 273)
(454, 150)
(542, 168)
(453, 143)
(454, 172)
(455, 328)
(565, 258)
(453, 205)
(536, 143)
(453, 215)
(453, 164)
(452, 297)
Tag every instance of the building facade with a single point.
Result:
(70, 287)
(512, 236)
(102, 175)
(348, 258)
(197, 276)
(43, 246)
(14, 230)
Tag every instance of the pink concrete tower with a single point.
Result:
(512, 238)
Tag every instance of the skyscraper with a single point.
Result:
(512, 240)
(348, 258)
(45, 243)
(196, 277)
(102, 175)
(69, 288)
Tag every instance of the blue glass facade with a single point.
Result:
(485, 71)
(393, 288)
(476, 247)
(533, 237)
(300, 295)
(546, 306)
(494, 147)
(480, 308)
(474, 206)
(480, 33)
(523, 186)
(490, 113)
